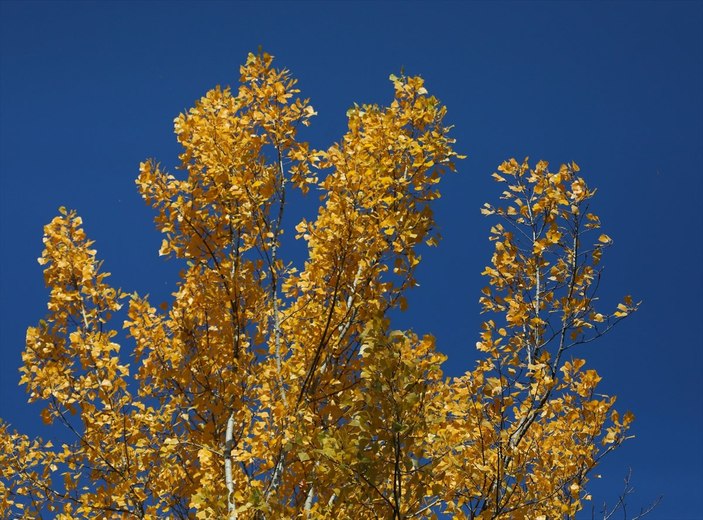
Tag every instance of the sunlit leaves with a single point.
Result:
(272, 389)
(541, 424)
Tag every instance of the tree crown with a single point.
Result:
(269, 391)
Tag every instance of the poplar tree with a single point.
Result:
(270, 390)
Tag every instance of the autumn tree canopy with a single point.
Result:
(270, 390)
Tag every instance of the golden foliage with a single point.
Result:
(264, 391)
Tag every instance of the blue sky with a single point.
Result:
(88, 90)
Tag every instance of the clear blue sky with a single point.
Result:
(88, 90)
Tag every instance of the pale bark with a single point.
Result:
(229, 480)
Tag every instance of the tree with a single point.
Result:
(266, 391)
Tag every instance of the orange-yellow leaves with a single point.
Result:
(627, 307)
(545, 269)
(72, 364)
(541, 296)
(265, 389)
(578, 190)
